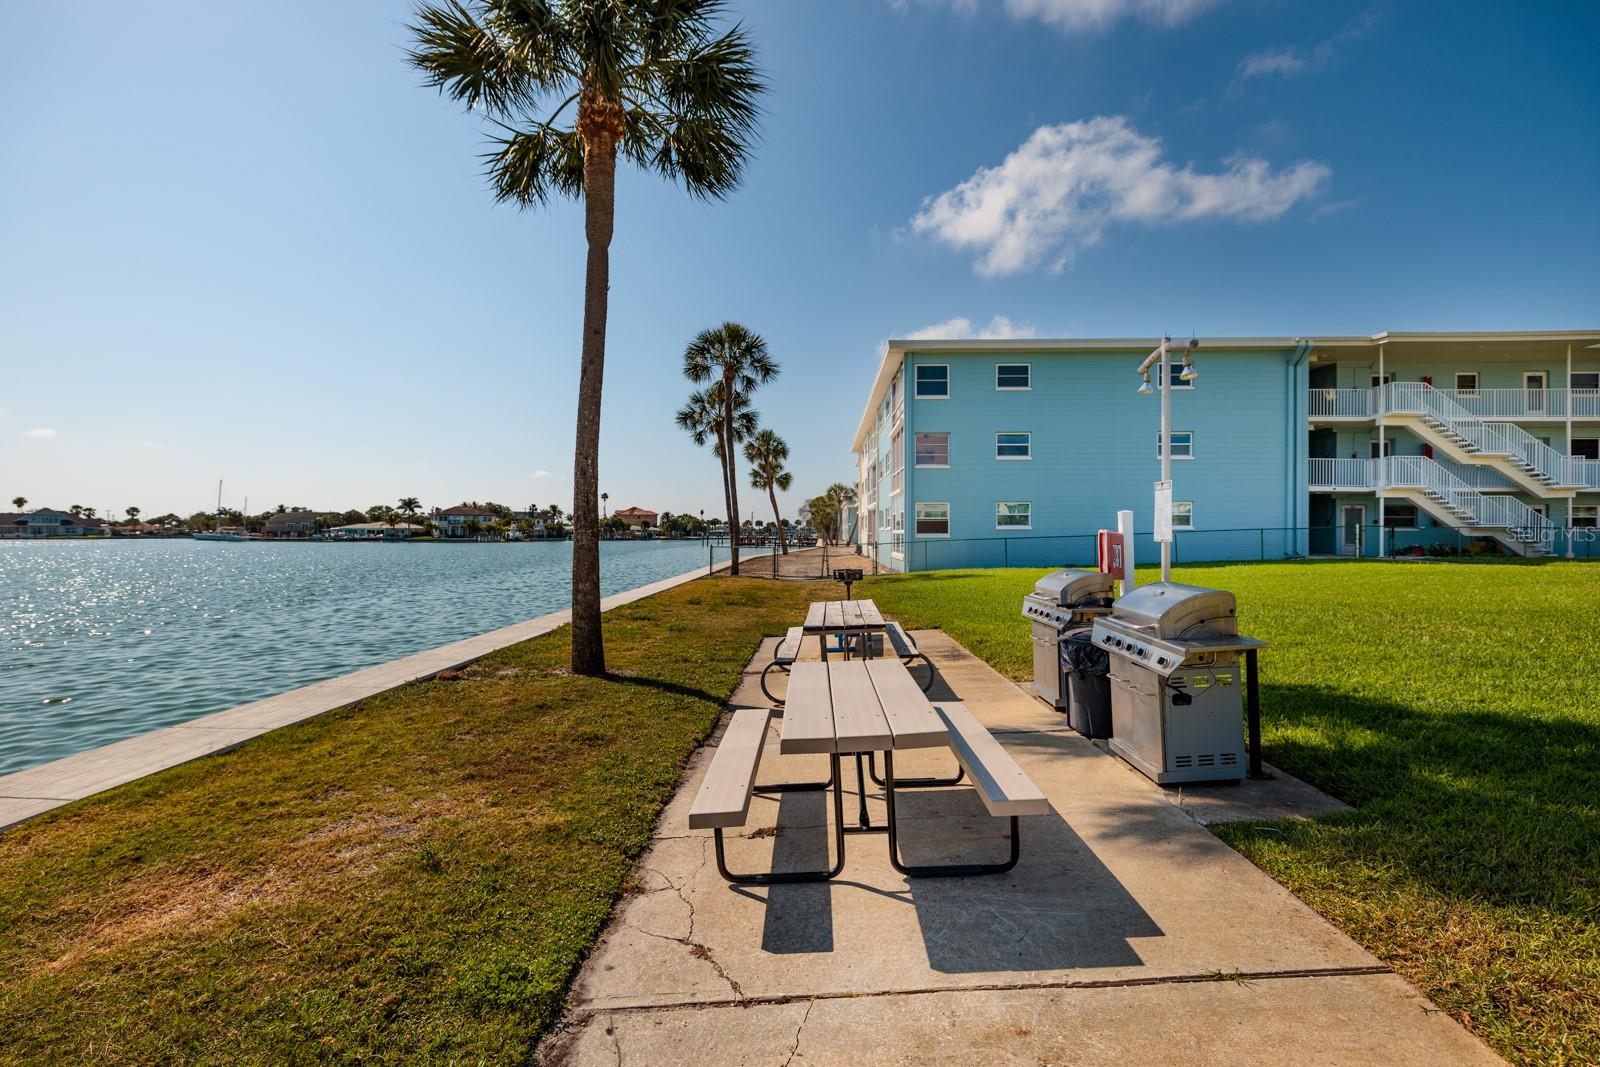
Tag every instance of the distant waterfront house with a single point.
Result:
(534, 517)
(374, 531)
(135, 529)
(291, 524)
(637, 518)
(47, 522)
(452, 522)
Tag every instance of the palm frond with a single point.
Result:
(529, 165)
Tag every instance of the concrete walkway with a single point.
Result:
(1127, 934)
(24, 794)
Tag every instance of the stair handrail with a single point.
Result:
(1495, 438)
(1480, 509)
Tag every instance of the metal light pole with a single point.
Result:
(1163, 494)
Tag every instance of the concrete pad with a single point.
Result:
(1117, 887)
(1371, 1019)
(15, 809)
(1282, 796)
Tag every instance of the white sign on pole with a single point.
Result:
(1163, 512)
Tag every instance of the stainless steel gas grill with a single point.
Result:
(1060, 602)
(1176, 684)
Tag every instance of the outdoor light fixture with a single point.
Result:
(1145, 388)
(1188, 373)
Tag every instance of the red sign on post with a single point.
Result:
(1109, 547)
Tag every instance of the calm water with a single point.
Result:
(106, 639)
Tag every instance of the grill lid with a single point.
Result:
(1174, 610)
(1068, 588)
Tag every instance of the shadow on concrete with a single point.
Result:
(1059, 908)
(799, 917)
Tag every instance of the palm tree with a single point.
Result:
(737, 359)
(410, 505)
(653, 81)
(766, 452)
(19, 502)
(703, 418)
(133, 514)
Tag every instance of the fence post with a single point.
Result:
(1263, 544)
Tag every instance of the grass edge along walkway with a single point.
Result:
(412, 878)
(1453, 705)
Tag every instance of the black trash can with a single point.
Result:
(1088, 686)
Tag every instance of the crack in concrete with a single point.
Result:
(795, 1048)
(759, 1000)
(696, 949)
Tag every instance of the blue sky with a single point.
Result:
(240, 241)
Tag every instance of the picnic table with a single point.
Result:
(849, 618)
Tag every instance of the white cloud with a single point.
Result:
(960, 329)
(541, 474)
(1271, 61)
(1288, 61)
(1086, 14)
(43, 433)
(1061, 189)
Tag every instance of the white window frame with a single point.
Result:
(1594, 440)
(1177, 382)
(1013, 433)
(1013, 388)
(897, 536)
(1589, 520)
(999, 504)
(1176, 504)
(1586, 374)
(1388, 448)
(917, 519)
(1467, 390)
(917, 381)
(1175, 435)
(915, 452)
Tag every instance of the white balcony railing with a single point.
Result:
(1587, 472)
(1342, 404)
(1324, 474)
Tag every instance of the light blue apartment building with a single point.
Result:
(1014, 452)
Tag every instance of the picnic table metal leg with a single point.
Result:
(940, 870)
(861, 795)
(913, 783)
(787, 877)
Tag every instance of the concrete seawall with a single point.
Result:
(26, 793)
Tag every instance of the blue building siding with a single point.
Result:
(1093, 452)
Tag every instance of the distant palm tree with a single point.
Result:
(766, 452)
(133, 514)
(736, 358)
(19, 502)
(654, 82)
(703, 418)
(410, 505)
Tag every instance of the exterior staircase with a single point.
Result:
(1446, 497)
(1504, 446)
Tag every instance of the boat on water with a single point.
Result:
(219, 534)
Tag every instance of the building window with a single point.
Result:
(933, 382)
(1013, 376)
(1182, 444)
(1585, 379)
(1013, 515)
(1399, 515)
(1586, 447)
(1177, 382)
(933, 520)
(897, 462)
(933, 450)
(1388, 448)
(1467, 382)
(1013, 446)
(1585, 516)
(1183, 514)
(1377, 381)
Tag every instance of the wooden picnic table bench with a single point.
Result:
(851, 707)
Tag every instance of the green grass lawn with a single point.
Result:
(411, 879)
(1457, 707)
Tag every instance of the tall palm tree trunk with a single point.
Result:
(783, 542)
(731, 462)
(599, 201)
